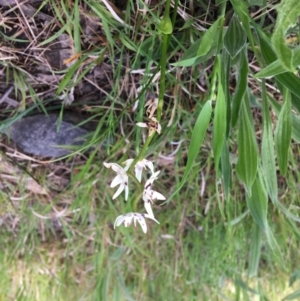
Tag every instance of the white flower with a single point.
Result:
(150, 195)
(139, 166)
(121, 179)
(153, 125)
(136, 217)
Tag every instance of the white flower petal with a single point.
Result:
(138, 171)
(119, 220)
(142, 124)
(158, 130)
(149, 164)
(128, 164)
(116, 181)
(126, 191)
(118, 192)
(151, 217)
(157, 196)
(148, 208)
(114, 166)
(150, 181)
(143, 224)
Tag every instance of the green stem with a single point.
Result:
(162, 89)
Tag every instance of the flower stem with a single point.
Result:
(162, 88)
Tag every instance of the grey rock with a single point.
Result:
(45, 136)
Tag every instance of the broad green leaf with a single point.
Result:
(267, 150)
(198, 134)
(283, 133)
(208, 39)
(246, 167)
(258, 204)
(219, 126)
(241, 86)
(288, 13)
(293, 296)
(255, 250)
(271, 70)
(235, 37)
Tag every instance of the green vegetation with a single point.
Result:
(226, 77)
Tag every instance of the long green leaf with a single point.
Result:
(271, 70)
(258, 204)
(226, 170)
(246, 167)
(267, 150)
(255, 250)
(198, 133)
(241, 87)
(219, 123)
(283, 134)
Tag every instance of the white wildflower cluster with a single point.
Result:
(149, 195)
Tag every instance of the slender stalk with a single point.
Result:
(162, 88)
